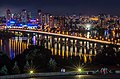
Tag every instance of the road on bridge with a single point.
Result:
(67, 36)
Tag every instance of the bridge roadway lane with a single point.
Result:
(67, 36)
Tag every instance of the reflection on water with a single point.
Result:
(59, 46)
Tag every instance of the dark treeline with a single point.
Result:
(5, 34)
(41, 59)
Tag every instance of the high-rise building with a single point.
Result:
(18, 17)
(51, 21)
(39, 16)
(24, 16)
(15, 16)
(29, 16)
(8, 14)
(47, 18)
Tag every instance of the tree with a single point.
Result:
(16, 69)
(31, 55)
(37, 56)
(107, 54)
(4, 70)
(4, 60)
(27, 66)
(52, 64)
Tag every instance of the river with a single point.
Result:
(59, 46)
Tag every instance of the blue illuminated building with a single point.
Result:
(10, 23)
(31, 25)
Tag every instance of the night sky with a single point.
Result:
(62, 7)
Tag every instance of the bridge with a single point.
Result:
(66, 36)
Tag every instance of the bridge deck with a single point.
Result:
(67, 36)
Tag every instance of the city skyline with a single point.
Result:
(62, 7)
(64, 38)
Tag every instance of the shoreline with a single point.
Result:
(51, 74)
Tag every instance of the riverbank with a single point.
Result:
(49, 74)
(38, 75)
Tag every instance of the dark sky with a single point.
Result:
(61, 7)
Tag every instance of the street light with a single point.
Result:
(79, 69)
(31, 71)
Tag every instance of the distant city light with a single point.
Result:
(88, 26)
(32, 20)
(51, 16)
(24, 25)
(21, 24)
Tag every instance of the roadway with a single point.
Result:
(67, 36)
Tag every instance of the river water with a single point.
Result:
(64, 47)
